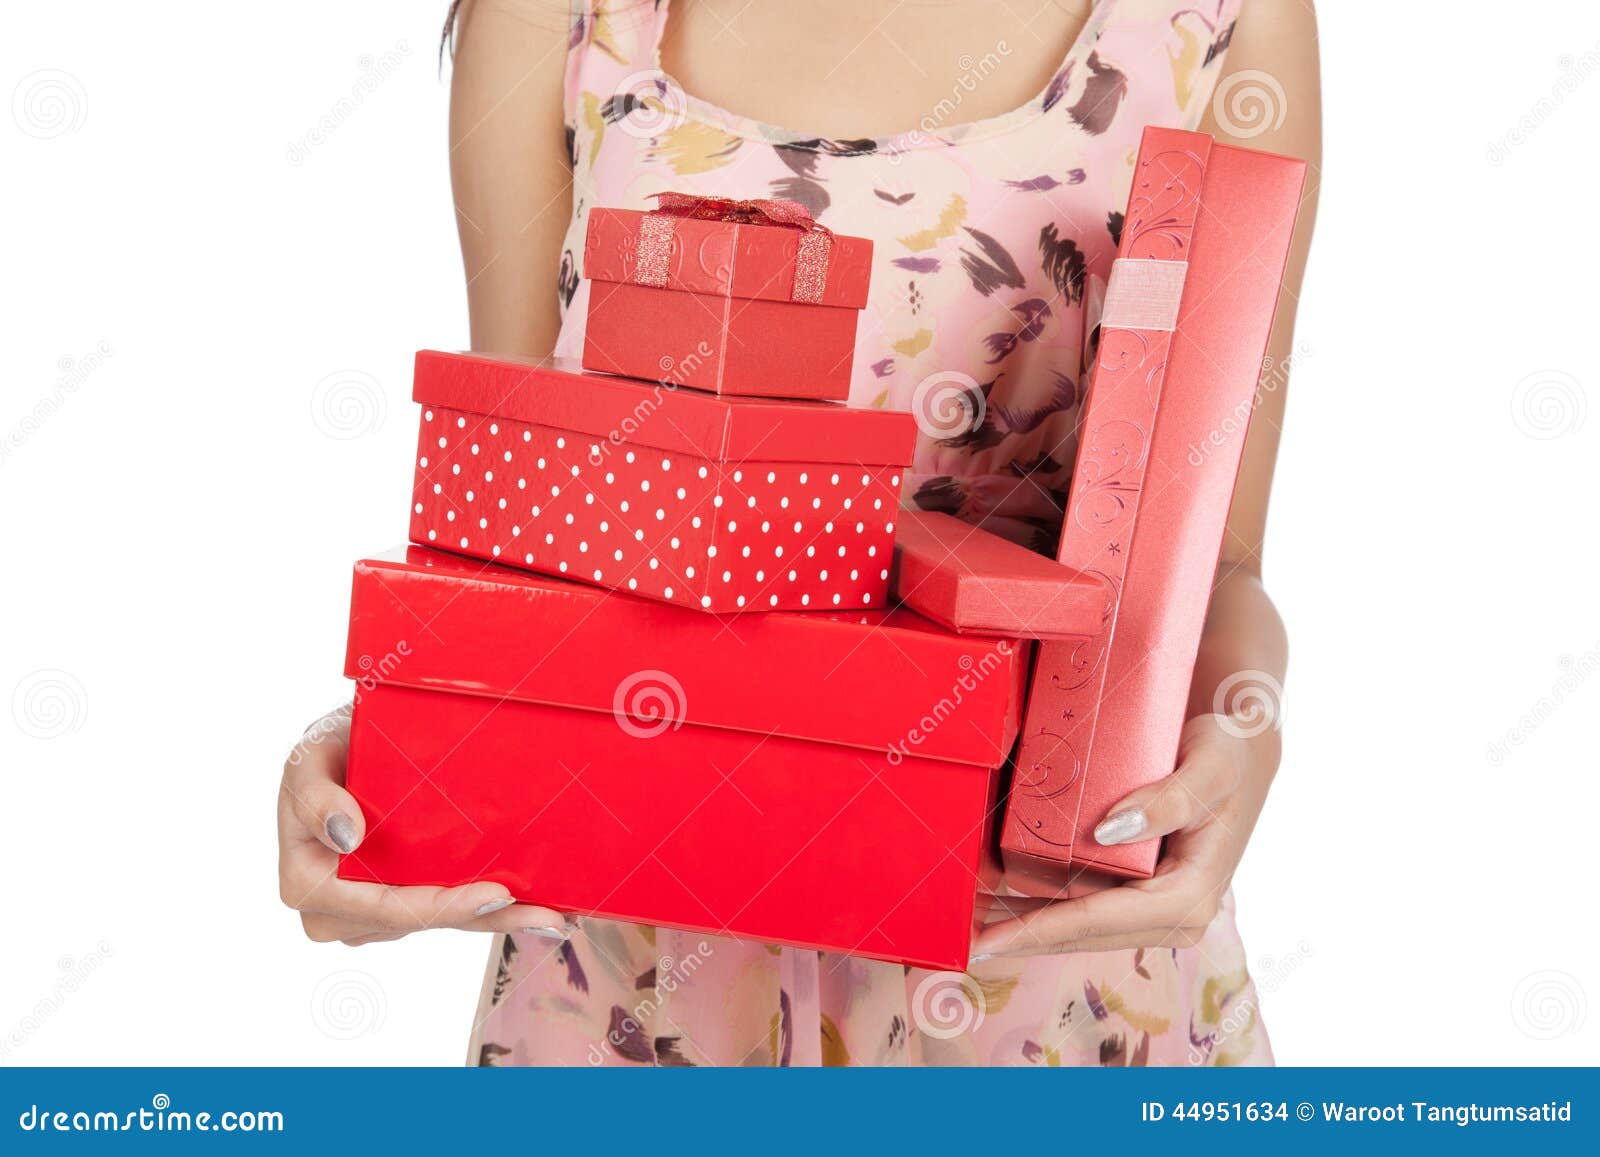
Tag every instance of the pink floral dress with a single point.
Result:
(993, 241)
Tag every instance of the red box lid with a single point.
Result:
(730, 260)
(559, 393)
(976, 582)
(880, 680)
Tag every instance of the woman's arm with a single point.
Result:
(1274, 54)
(509, 168)
(1230, 747)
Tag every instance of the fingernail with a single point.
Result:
(341, 830)
(493, 906)
(563, 933)
(981, 957)
(1122, 828)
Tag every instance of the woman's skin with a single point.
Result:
(840, 68)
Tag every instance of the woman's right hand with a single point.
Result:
(318, 819)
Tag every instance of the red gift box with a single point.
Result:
(722, 504)
(824, 780)
(744, 297)
(975, 582)
(1187, 316)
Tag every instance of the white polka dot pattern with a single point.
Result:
(720, 537)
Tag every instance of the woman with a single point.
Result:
(987, 149)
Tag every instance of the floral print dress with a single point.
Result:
(993, 240)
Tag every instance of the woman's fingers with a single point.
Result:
(1186, 937)
(1115, 912)
(312, 887)
(313, 785)
(378, 906)
(324, 810)
(528, 919)
(1209, 770)
(325, 929)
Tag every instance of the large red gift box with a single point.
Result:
(1187, 315)
(823, 780)
(735, 297)
(720, 504)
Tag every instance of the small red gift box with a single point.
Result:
(977, 583)
(735, 297)
(1187, 315)
(823, 780)
(713, 503)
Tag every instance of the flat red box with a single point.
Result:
(822, 780)
(725, 321)
(719, 504)
(1158, 455)
(977, 583)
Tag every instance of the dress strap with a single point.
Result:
(628, 32)
(613, 57)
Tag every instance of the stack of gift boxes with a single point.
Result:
(667, 650)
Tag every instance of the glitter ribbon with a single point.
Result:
(1144, 293)
(656, 229)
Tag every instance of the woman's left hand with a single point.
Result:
(1206, 809)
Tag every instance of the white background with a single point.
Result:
(179, 524)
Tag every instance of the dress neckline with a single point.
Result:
(906, 141)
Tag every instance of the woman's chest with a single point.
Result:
(867, 69)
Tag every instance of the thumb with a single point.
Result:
(313, 786)
(1211, 768)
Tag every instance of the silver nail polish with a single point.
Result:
(1122, 828)
(493, 906)
(341, 830)
(981, 957)
(550, 933)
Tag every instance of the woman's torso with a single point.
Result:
(994, 234)
(994, 231)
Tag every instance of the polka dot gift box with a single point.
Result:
(720, 504)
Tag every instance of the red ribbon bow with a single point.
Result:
(657, 227)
